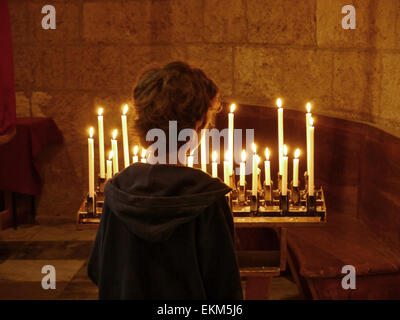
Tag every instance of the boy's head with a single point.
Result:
(174, 92)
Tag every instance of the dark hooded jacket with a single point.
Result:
(166, 232)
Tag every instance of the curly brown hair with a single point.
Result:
(174, 92)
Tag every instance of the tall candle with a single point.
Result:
(311, 162)
(135, 157)
(143, 159)
(214, 165)
(242, 178)
(280, 132)
(230, 136)
(267, 165)
(203, 151)
(125, 135)
(114, 147)
(91, 162)
(308, 117)
(227, 164)
(258, 173)
(109, 165)
(101, 142)
(284, 171)
(254, 171)
(296, 168)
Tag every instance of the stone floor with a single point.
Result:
(23, 253)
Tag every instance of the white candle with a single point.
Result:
(308, 117)
(242, 178)
(135, 157)
(280, 132)
(203, 151)
(101, 142)
(267, 165)
(125, 135)
(296, 168)
(311, 162)
(284, 171)
(114, 147)
(214, 165)
(227, 164)
(109, 165)
(258, 173)
(254, 171)
(91, 162)
(143, 159)
(230, 136)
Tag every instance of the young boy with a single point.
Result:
(166, 230)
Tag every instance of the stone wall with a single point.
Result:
(256, 50)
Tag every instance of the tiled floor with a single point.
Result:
(23, 253)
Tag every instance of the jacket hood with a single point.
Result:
(153, 200)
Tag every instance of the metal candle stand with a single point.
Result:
(269, 202)
(89, 213)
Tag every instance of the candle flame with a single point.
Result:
(125, 110)
(91, 131)
(100, 111)
(144, 152)
(254, 147)
(233, 107)
(227, 156)
(267, 153)
(114, 135)
(311, 122)
(214, 156)
(279, 103)
(308, 107)
(244, 155)
(297, 153)
(135, 150)
(285, 150)
(110, 155)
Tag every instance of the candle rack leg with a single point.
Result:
(295, 196)
(253, 204)
(284, 204)
(311, 205)
(241, 192)
(268, 194)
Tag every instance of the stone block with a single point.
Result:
(281, 22)
(356, 84)
(225, 21)
(307, 76)
(23, 71)
(187, 20)
(216, 62)
(19, 22)
(389, 111)
(93, 67)
(258, 74)
(48, 65)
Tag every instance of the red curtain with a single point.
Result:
(7, 91)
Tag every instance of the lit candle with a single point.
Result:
(296, 168)
(308, 117)
(125, 135)
(114, 147)
(227, 164)
(284, 171)
(243, 168)
(143, 155)
(267, 165)
(214, 165)
(203, 151)
(311, 162)
(135, 157)
(91, 162)
(254, 171)
(101, 142)
(230, 136)
(109, 165)
(280, 132)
